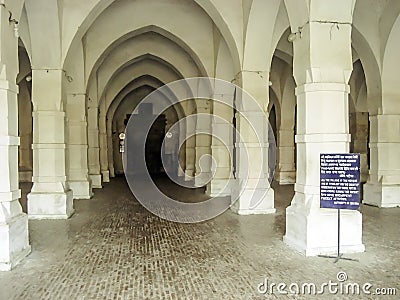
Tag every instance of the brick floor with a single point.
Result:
(112, 248)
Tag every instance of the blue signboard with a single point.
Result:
(340, 181)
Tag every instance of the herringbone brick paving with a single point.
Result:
(112, 248)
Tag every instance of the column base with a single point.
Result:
(181, 173)
(247, 204)
(313, 231)
(25, 176)
(106, 176)
(96, 181)
(286, 177)
(379, 195)
(81, 189)
(189, 174)
(14, 242)
(219, 188)
(202, 179)
(50, 205)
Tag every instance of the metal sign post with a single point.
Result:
(339, 188)
(339, 255)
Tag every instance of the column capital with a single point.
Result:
(246, 145)
(9, 141)
(9, 86)
(383, 116)
(251, 113)
(76, 98)
(93, 108)
(48, 113)
(73, 122)
(37, 69)
(77, 94)
(258, 72)
(322, 138)
(322, 86)
(322, 49)
(286, 130)
(10, 196)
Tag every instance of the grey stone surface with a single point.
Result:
(112, 248)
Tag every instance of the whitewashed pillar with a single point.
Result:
(78, 177)
(256, 195)
(322, 68)
(50, 197)
(203, 144)
(14, 238)
(190, 145)
(110, 149)
(222, 147)
(94, 149)
(286, 171)
(383, 186)
(103, 146)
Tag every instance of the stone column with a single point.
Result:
(203, 144)
(222, 148)
(322, 73)
(94, 149)
(50, 197)
(110, 152)
(118, 161)
(190, 158)
(14, 238)
(252, 166)
(383, 186)
(182, 151)
(190, 148)
(257, 196)
(103, 147)
(14, 243)
(286, 171)
(78, 177)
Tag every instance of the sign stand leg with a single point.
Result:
(339, 255)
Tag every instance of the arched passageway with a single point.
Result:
(324, 77)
